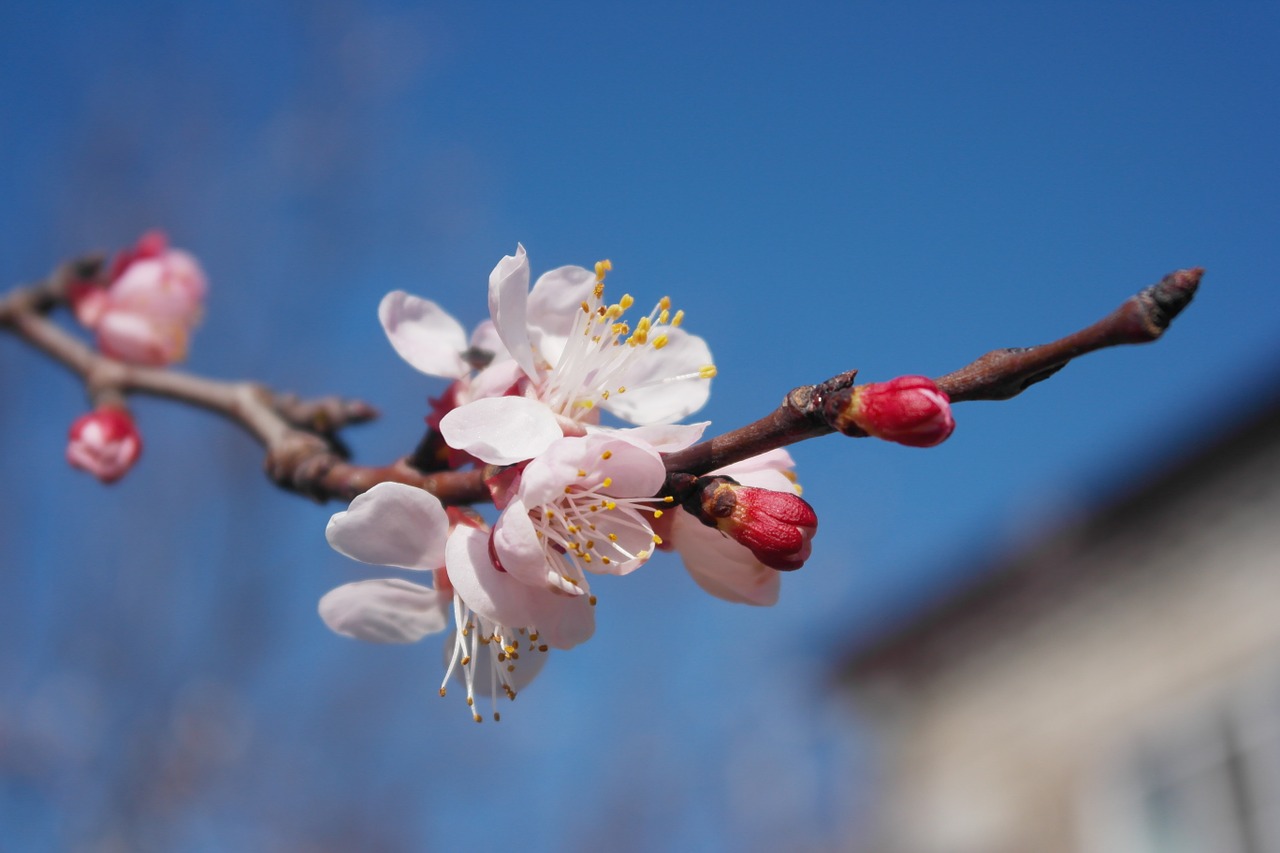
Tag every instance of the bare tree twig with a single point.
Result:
(809, 411)
(304, 454)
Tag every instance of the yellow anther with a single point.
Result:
(568, 490)
(643, 555)
(613, 537)
(626, 301)
(572, 528)
(586, 309)
(533, 638)
(603, 267)
(622, 389)
(586, 558)
(604, 395)
(608, 481)
(465, 660)
(610, 505)
(678, 319)
(657, 540)
(664, 303)
(607, 454)
(660, 341)
(707, 371)
(591, 544)
(585, 404)
(470, 701)
(581, 473)
(657, 513)
(598, 290)
(669, 499)
(549, 514)
(664, 317)
(477, 718)
(620, 330)
(605, 560)
(442, 692)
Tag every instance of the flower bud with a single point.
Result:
(775, 526)
(105, 442)
(910, 410)
(147, 310)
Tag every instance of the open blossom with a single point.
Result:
(104, 442)
(503, 628)
(564, 354)
(721, 566)
(583, 505)
(147, 310)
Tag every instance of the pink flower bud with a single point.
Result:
(776, 527)
(105, 442)
(146, 313)
(910, 410)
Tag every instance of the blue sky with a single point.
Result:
(821, 186)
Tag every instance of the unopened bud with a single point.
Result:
(105, 442)
(910, 410)
(775, 526)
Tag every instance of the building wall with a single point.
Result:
(1006, 746)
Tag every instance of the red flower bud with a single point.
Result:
(105, 442)
(910, 410)
(775, 526)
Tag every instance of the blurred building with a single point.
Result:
(1114, 688)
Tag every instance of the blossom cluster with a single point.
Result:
(142, 312)
(576, 498)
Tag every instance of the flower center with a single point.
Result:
(587, 529)
(603, 349)
(488, 657)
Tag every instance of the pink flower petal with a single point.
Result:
(424, 334)
(495, 595)
(385, 611)
(392, 524)
(501, 430)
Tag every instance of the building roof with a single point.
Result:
(1030, 580)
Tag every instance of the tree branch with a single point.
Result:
(810, 410)
(305, 455)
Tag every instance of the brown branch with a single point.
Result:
(304, 454)
(810, 410)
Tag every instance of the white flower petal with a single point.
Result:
(424, 334)
(654, 393)
(508, 302)
(385, 611)
(664, 438)
(392, 524)
(563, 621)
(501, 430)
(773, 461)
(485, 337)
(555, 304)
(518, 679)
(721, 566)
